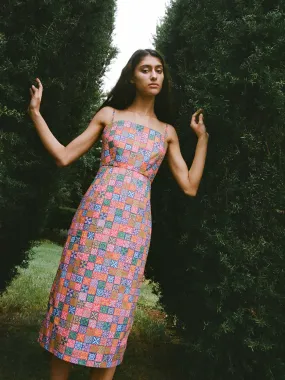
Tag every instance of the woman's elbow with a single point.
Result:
(61, 162)
(191, 192)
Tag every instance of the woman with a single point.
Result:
(97, 285)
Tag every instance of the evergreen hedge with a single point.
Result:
(219, 257)
(68, 45)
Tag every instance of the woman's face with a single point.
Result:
(148, 76)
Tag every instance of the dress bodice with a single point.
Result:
(133, 146)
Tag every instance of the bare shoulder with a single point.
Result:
(171, 134)
(104, 116)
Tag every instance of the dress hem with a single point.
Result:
(58, 355)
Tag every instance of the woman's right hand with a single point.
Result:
(36, 97)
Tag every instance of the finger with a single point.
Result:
(201, 118)
(41, 89)
(197, 112)
(39, 82)
(35, 89)
(193, 121)
(194, 116)
(31, 92)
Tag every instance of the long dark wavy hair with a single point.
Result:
(124, 92)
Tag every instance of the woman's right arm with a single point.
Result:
(65, 155)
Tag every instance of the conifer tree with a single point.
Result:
(219, 257)
(68, 45)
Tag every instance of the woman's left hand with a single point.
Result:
(199, 128)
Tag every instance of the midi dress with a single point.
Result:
(93, 297)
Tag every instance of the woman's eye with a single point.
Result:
(159, 71)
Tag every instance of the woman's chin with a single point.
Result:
(151, 91)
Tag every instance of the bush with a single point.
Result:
(68, 46)
(219, 257)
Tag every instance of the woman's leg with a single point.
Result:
(59, 369)
(102, 373)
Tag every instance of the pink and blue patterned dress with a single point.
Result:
(95, 291)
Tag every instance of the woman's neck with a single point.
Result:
(143, 106)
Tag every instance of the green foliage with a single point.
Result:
(60, 218)
(68, 46)
(220, 256)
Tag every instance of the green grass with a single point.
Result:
(27, 295)
(152, 353)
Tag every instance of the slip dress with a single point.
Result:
(91, 306)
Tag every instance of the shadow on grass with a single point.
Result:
(20, 354)
(145, 358)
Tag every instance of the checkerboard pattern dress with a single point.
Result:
(97, 284)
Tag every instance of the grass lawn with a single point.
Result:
(152, 353)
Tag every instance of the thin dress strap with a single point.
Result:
(113, 115)
(165, 134)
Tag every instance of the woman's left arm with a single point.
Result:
(188, 180)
